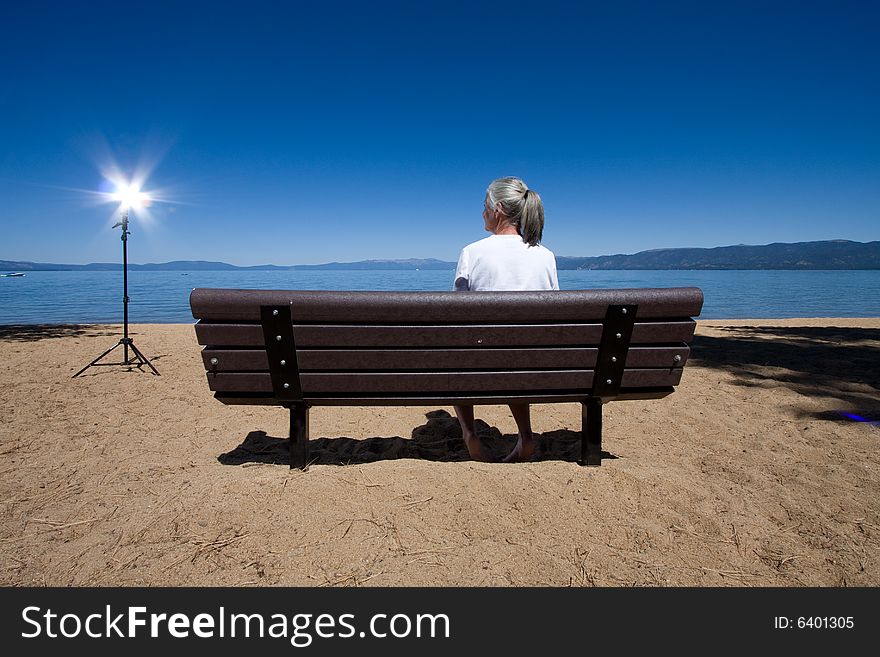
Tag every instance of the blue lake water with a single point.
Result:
(163, 297)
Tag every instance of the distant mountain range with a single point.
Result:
(833, 254)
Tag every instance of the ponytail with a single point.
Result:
(531, 219)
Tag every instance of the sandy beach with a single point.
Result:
(749, 474)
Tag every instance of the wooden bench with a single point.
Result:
(298, 349)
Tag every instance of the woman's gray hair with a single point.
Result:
(521, 205)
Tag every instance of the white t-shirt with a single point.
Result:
(504, 262)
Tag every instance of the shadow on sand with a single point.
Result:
(840, 364)
(34, 332)
(439, 439)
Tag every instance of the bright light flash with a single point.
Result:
(130, 195)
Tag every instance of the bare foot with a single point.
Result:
(523, 451)
(476, 450)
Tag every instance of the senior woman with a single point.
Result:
(511, 258)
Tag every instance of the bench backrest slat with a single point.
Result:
(436, 382)
(255, 360)
(452, 335)
(443, 307)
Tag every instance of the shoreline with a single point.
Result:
(748, 475)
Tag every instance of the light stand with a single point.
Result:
(138, 359)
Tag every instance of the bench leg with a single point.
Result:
(299, 436)
(591, 432)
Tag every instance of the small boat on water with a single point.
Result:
(12, 273)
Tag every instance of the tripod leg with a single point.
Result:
(143, 359)
(96, 360)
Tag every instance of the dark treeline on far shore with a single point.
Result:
(831, 254)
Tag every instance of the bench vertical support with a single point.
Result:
(284, 371)
(299, 436)
(591, 431)
(281, 352)
(617, 330)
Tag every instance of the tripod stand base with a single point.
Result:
(137, 360)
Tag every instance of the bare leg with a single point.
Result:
(465, 416)
(525, 445)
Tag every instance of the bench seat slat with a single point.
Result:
(254, 360)
(384, 382)
(525, 335)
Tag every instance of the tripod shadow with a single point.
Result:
(439, 439)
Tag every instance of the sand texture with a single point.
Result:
(748, 475)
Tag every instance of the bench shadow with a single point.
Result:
(34, 332)
(836, 363)
(439, 439)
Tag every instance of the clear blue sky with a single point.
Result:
(285, 132)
